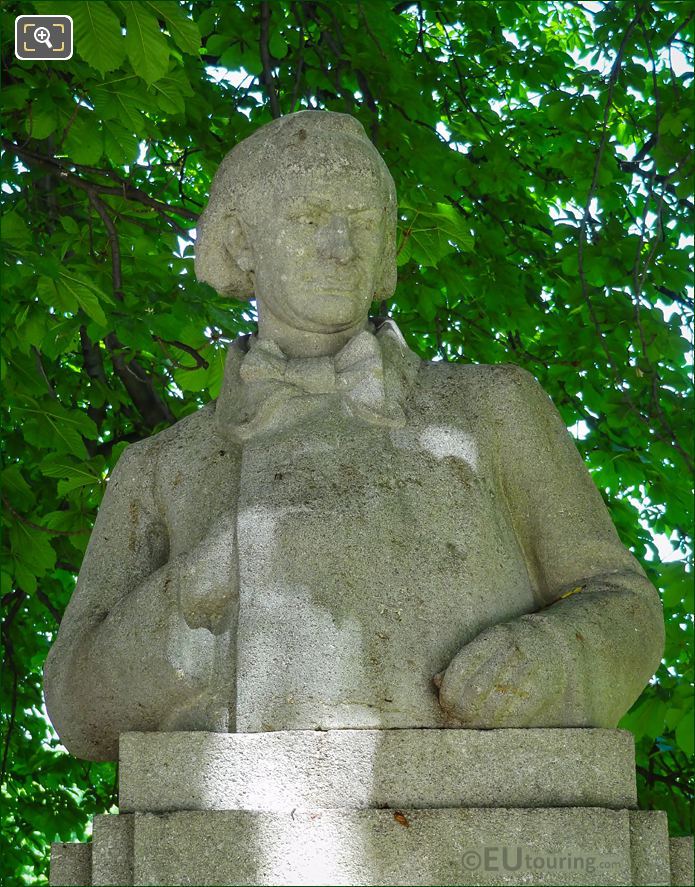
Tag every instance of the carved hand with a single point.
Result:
(207, 580)
(511, 675)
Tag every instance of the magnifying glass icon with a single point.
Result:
(43, 35)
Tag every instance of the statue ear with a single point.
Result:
(223, 256)
(237, 246)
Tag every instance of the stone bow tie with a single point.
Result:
(356, 373)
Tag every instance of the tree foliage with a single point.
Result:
(543, 154)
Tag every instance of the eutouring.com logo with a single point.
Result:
(525, 859)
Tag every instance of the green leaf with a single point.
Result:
(170, 91)
(55, 428)
(42, 432)
(83, 142)
(40, 123)
(14, 97)
(5, 583)
(26, 578)
(209, 378)
(16, 489)
(14, 230)
(123, 101)
(54, 296)
(685, 733)
(146, 46)
(647, 719)
(183, 30)
(278, 45)
(70, 291)
(677, 585)
(61, 337)
(207, 20)
(60, 466)
(97, 34)
(69, 224)
(120, 145)
(87, 300)
(32, 548)
(73, 483)
(431, 232)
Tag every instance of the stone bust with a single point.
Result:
(348, 537)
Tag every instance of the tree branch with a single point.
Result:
(126, 191)
(263, 43)
(669, 780)
(46, 601)
(153, 409)
(42, 371)
(116, 275)
(93, 364)
(28, 523)
(200, 361)
(19, 596)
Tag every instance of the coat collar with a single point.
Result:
(370, 379)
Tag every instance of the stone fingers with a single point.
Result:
(500, 681)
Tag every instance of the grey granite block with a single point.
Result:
(649, 848)
(71, 865)
(681, 861)
(112, 853)
(582, 846)
(372, 768)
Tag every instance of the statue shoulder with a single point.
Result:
(484, 387)
(143, 458)
(507, 380)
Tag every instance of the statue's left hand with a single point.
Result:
(207, 579)
(514, 674)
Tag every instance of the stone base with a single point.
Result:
(308, 770)
(71, 865)
(377, 807)
(681, 854)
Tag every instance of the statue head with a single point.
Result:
(302, 215)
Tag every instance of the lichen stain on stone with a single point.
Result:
(134, 509)
(512, 690)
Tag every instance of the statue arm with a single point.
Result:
(597, 637)
(124, 658)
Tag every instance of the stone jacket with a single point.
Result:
(309, 558)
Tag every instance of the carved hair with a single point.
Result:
(244, 174)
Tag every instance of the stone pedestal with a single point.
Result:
(377, 807)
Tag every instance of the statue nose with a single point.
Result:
(334, 240)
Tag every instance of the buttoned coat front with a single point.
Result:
(316, 571)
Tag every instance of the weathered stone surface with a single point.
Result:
(71, 865)
(345, 523)
(681, 851)
(321, 245)
(370, 768)
(346, 846)
(384, 847)
(112, 850)
(649, 848)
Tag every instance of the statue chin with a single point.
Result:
(333, 312)
(323, 313)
